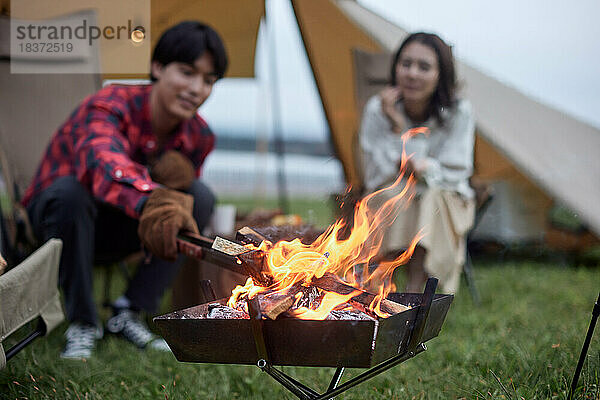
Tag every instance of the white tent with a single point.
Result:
(534, 153)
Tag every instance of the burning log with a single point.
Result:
(310, 297)
(303, 294)
(307, 234)
(254, 261)
(248, 235)
(332, 283)
(254, 264)
(275, 303)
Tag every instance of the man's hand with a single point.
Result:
(389, 97)
(173, 170)
(165, 214)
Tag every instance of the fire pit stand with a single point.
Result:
(339, 344)
(378, 345)
(413, 347)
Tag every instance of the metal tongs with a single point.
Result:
(219, 251)
(227, 254)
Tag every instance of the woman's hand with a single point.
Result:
(389, 97)
(418, 166)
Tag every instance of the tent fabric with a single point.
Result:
(550, 148)
(30, 290)
(329, 37)
(372, 72)
(237, 21)
(117, 55)
(554, 150)
(32, 107)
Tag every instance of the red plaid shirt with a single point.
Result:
(107, 143)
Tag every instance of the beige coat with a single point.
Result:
(444, 207)
(448, 149)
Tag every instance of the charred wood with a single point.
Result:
(255, 266)
(275, 303)
(332, 283)
(307, 234)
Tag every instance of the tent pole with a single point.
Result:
(276, 108)
(584, 349)
(262, 129)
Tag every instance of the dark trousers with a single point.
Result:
(93, 232)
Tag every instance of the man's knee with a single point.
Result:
(204, 202)
(69, 199)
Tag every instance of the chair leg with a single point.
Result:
(468, 270)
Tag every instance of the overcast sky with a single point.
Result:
(547, 49)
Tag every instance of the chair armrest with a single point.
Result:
(29, 291)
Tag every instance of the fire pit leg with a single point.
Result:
(337, 377)
(303, 392)
(370, 373)
(423, 314)
(297, 388)
(257, 329)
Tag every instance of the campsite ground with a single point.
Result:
(522, 342)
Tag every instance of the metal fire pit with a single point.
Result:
(377, 345)
(290, 341)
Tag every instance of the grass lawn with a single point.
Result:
(522, 342)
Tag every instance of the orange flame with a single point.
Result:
(294, 262)
(329, 302)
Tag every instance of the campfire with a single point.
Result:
(304, 287)
(310, 304)
(298, 280)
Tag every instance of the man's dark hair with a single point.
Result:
(186, 42)
(445, 93)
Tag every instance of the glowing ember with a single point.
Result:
(294, 263)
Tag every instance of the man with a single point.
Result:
(122, 171)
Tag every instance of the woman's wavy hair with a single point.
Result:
(444, 95)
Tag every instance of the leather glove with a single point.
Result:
(173, 170)
(165, 213)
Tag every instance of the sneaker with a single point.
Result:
(127, 323)
(81, 340)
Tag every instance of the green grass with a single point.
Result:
(523, 342)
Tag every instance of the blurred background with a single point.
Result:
(287, 113)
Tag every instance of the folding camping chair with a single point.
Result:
(29, 291)
(371, 76)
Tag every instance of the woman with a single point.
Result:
(422, 93)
